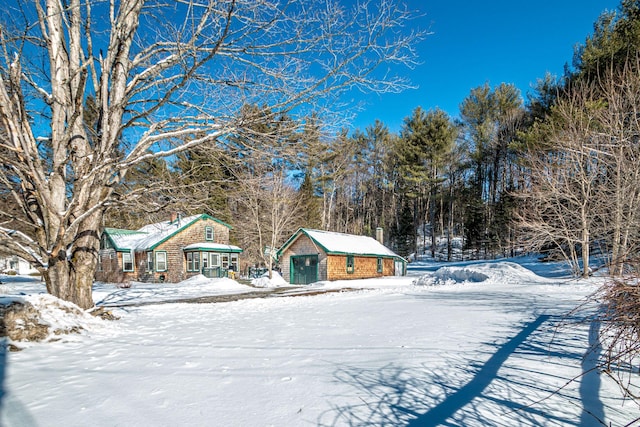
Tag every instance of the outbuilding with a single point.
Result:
(314, 255)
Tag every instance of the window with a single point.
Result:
(127, 261)
(196, 261)
(208, 233)
(350, 264)
(379, 265)
(161, 261)
(215, 260)
(149, 261)
(104, 242)
(99, 262)
(189, 261)
(205, 260)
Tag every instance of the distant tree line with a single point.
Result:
(557, 173)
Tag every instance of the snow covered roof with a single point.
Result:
(343, 244)
(215, 247)
(123, 239)
(151, 235)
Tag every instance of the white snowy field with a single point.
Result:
(475, 345)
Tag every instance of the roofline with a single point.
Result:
(221, 250)
(290, 241)
(207, 216)
(304, 231)
(179, 229)
(107, 232)
(366, 255)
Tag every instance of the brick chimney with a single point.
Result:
(174, 217)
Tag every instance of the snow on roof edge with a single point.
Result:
(335, 243)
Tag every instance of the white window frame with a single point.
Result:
(196, 261)
(208, 234)
(150, 262)
(214, 259)
(161, 254)
(124, 263)
(189, 261)
(205, 260)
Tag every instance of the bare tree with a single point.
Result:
(560, 206)
(270, 208)
(585, 185)
(159, 74)
(620, 135)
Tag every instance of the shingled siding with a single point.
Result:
(303, 246)
(334, 267)
(176, 261)
(110, 268)
(111, 265)
(363, 267)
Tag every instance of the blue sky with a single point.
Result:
(492, 41)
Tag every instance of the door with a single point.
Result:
(304, 269)
(399, 267)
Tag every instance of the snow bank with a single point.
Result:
(264, 281)
(43, 317)
(225, 284)
(498, 272)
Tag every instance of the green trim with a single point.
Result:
(288, 243)
(363, 255)
(208, 230)
(292, 269)
(300, 231)
(206, 216)
(220, 251)
(200, 217)
(152, 247)
(351, 266)
(295, 237)
(109, 232)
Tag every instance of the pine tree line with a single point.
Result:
(484, 177)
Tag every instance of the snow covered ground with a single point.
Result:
(473, 345)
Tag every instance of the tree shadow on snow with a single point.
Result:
(439, 414)
(592, 408)
(3, 367)
(124, 297)
(475, 395)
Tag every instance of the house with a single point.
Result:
(168, 251)
(15, 265)
(313, 255)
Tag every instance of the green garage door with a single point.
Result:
(304, 269)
